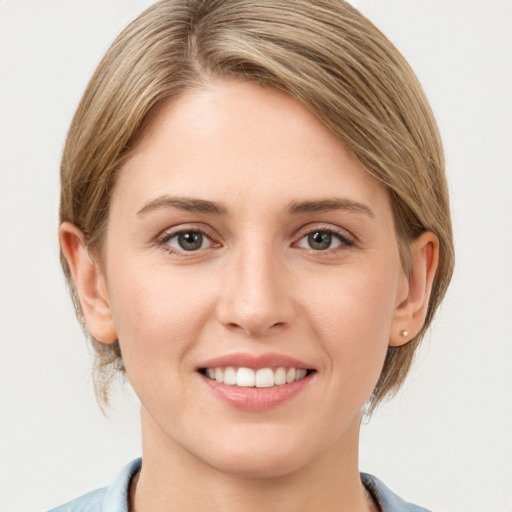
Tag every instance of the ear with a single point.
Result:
(89, 283)
(415, 289)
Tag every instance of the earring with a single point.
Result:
(404, 334)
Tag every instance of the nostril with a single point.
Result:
(255, 328)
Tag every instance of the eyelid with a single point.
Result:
(170, 233)
(346, 237)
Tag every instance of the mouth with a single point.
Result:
(256, 382)
(245, 377)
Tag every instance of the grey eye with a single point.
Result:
(187, 240)
(190, 240)
(320, 240)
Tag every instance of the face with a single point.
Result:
(245, 245)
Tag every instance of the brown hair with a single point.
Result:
(325, 54)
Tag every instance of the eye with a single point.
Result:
(188, 240)
(323, 240)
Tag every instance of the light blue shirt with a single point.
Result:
(115, 498)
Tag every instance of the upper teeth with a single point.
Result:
(249, 378)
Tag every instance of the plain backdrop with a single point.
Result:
(444, 442)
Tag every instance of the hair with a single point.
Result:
(323, 53)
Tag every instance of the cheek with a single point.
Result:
(158, 319)
(352, 318)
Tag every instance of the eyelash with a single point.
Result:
(163, 240)
(343, 238)
(345, 241)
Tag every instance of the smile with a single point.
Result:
(256, 382)
(255, 378)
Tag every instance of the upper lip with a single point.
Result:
(269, 360)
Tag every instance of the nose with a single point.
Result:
(256, 294)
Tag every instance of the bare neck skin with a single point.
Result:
(172, 479)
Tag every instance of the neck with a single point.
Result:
(172, 479)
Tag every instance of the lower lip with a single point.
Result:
(256, 399)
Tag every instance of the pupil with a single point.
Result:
(190, 241)
(320, 240)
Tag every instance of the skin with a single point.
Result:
(255, 286)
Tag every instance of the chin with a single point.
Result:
(261, 457)
(257, 466)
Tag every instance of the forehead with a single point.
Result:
(234, 142)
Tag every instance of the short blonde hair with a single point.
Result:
(323, 53)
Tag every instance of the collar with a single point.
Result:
(116, 497)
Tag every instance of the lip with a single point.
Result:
(269, 360)
(256, 399)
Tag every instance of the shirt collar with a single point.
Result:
(116, 498)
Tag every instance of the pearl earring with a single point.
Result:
(404, 334)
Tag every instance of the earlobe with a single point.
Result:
(89, 283)
(411, 311)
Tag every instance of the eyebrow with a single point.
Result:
(335, 203)
(183, 203)
(214, 208)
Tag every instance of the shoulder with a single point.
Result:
(108, 499)
(90, 502)
(388, 501)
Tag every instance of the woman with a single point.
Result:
(255, 228)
